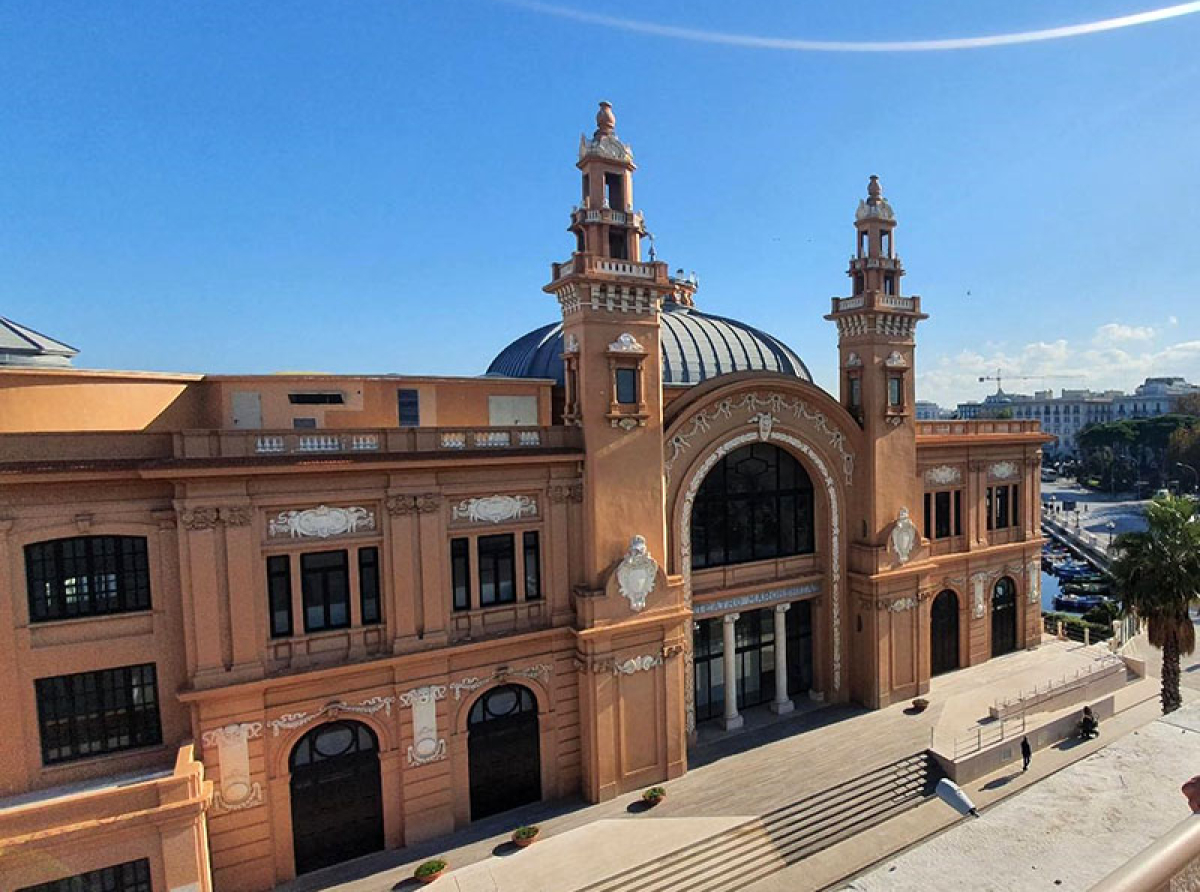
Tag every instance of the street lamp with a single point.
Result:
(1111, 526)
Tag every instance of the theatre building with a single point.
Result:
(251, 626)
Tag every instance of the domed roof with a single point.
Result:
(695, 346)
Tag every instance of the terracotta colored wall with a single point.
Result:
(83, 401)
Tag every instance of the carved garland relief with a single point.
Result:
(321, 522)
(495, 509)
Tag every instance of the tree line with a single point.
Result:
(1118, 455)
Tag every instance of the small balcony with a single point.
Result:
(583, 264)
(244, 444)
(977, 427)
(873, 300)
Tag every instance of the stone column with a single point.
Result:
(782, 705)
(732, 720)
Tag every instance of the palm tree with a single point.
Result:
(1157, 575)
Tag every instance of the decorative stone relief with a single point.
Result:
(321, 522)
(777, 405)
(902, 604)
(198, 518)
(757, 599)
(854, 361)
(978, 598)
(636, 574)
(292, 720)
(236, 790)
(764, 420)
(626, 343)
(566, 492)
(495, 509)
(904, 536)
(426, 746)
(1034, 585)
(943, 475)
(627, 424)
(1004, 470)
(236, 515)
(426, 503)
(643, 663)
(895, 360)
(474, 682)
(571, 344)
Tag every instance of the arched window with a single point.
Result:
(505, 702)
(755, 503)
(332, 741)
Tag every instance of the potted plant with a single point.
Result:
(525, 836)
(653, 796)
(431, 869)
(920, 704)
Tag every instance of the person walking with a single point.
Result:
(1026, 753)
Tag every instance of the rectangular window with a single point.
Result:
(1016, 506)
(990, 507)
(941, 527)
(1001, 500)
(91, 713)
(533, 566)
(279, 595)
(368, 584)
(928, 515)
(460, 572)
(627, 394)
(325, 584)
(132, 876)
(895, 391)
(497, 582)
(958, 512)
(855, 391)
(87, 576)
(410, 407)
(304, 424)
(316, 399)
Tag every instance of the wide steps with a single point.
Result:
(785, 835)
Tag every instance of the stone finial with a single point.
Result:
(874, 190)
(606, 121)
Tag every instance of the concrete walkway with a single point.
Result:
(735, 777)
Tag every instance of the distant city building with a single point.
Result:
(1066, 415)
(930, 411)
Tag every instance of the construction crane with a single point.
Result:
(999, 376)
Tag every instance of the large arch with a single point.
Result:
(336, 795)
(727, 413)
(503, 750)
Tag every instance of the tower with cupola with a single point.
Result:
(612, 388)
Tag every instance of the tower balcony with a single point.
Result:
(629, 217)
(589, 264)
(857, 264)
(875, 300)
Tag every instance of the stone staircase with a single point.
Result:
(786, 835)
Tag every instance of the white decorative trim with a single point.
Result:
(626, 343)
(776, 404)
(252, 798)
(434, 750)
(895, 360)
(757, 599)
(978, 602)
(428, 694)
(251, 730)
(636, 574)
(1034, 585)
(293, 720)
(571, 344)
(904, 536)
(638, 664)
(943, 475)
(902, 604)
(1004, 470)
(494, 509)
(854, 361)
(321, 522)
(764, 420)
(474, 682)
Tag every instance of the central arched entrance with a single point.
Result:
(1004, 617)
(943, 634)
(337, 806)
(503, 748)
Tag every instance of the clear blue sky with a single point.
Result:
(381, 186)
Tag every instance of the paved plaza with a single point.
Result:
(733, 780)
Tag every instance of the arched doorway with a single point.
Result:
(337, 805)
(502, 744)
(943, 633)
(1004, 617)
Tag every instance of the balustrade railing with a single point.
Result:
(975, 427)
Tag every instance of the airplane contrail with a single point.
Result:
(752, 41)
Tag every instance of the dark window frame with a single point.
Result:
(279, 595)
(87, 714)
(625, 384)
(408, 406)
(115, 577)
(460, 573)
(315, 589)
(129, 876)
(496, 566)
(531, 558)
(368, 586)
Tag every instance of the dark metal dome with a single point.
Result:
(695, 346)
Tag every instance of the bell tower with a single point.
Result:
(630, 619)
(876, 348)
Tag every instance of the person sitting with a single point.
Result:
(1088, 726)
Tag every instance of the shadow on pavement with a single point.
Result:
(1001, 781)
(711, 751)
